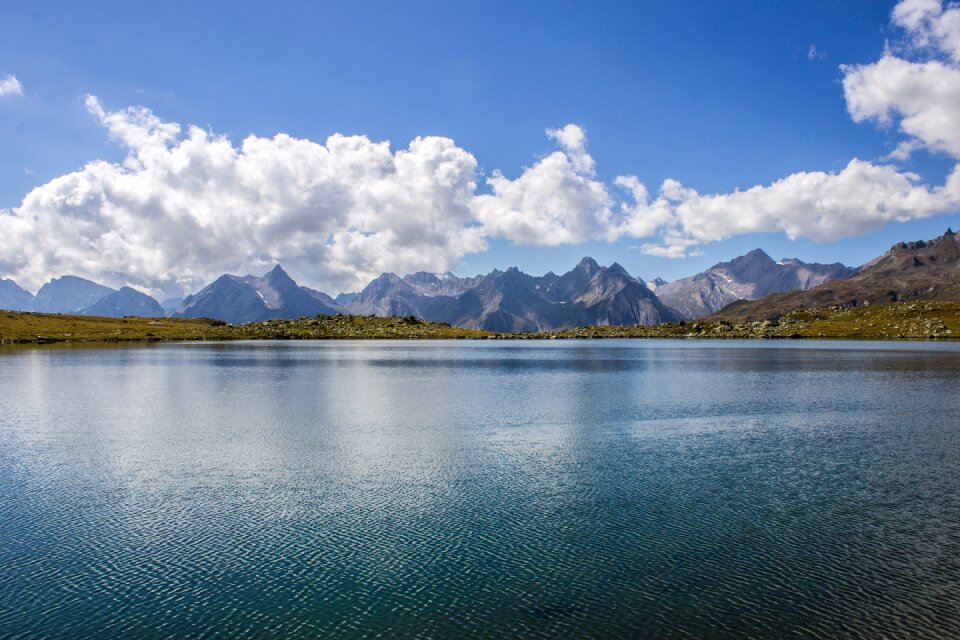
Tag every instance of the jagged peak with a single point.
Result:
(387, 276)
(420, 277)
(616, 267)
(277, 274)
(755, 254)
(68, 278)
(948, 235)
(588, 264)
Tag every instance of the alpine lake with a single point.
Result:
(494, 489)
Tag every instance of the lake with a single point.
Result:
(489, 489)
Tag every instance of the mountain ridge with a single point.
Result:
(239, 299)
(920, 270)
(751, 276)
(515, 301)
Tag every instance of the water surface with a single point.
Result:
(494, 489)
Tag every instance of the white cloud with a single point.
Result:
(930, 26)
(187, 205)
(674, 244)
(555, 201)
(573, 140)
(815, 54)
(816, 205)
(10, 86)
(924, 95)
(921, 97)
(182, 209)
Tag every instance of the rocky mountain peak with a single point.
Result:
(616, 268)
(276, 274)
(904, 255)
(588, 265)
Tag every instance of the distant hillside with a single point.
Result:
(908, 271)
(749, 277)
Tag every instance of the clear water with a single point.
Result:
(485, 489)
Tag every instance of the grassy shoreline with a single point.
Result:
(922, 320)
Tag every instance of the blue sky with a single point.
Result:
(718, 96)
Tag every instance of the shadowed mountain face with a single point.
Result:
(13, 298)
(749, 277)
(69, 294)
(514, 301)
(908, 271)
(238, 299)
(125, 302)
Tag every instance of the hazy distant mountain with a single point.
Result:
(343, 298)
(514, 301)
(416, 294)
(656, 283)
(125, 302)
(238, 299)
(324, 299)
(68, 294)
(14, 298)
(170, 305)
(908, 271)
(749, 277)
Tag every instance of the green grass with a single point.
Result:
(923, 320)
(902, 320)
(41, 328)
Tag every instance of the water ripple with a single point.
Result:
(370, 491)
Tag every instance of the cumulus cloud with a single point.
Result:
(10, 86)
(929, 25)
(914, 86)
(816, 205)
(186, 205)
(821, 206)
(922, 96)
(556, 201)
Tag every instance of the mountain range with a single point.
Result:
(752, 286)
(238, 299)
(749, 277)
(514, 301)
(74, 295)
(922, 270)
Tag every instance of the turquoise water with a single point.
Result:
(487, 489)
